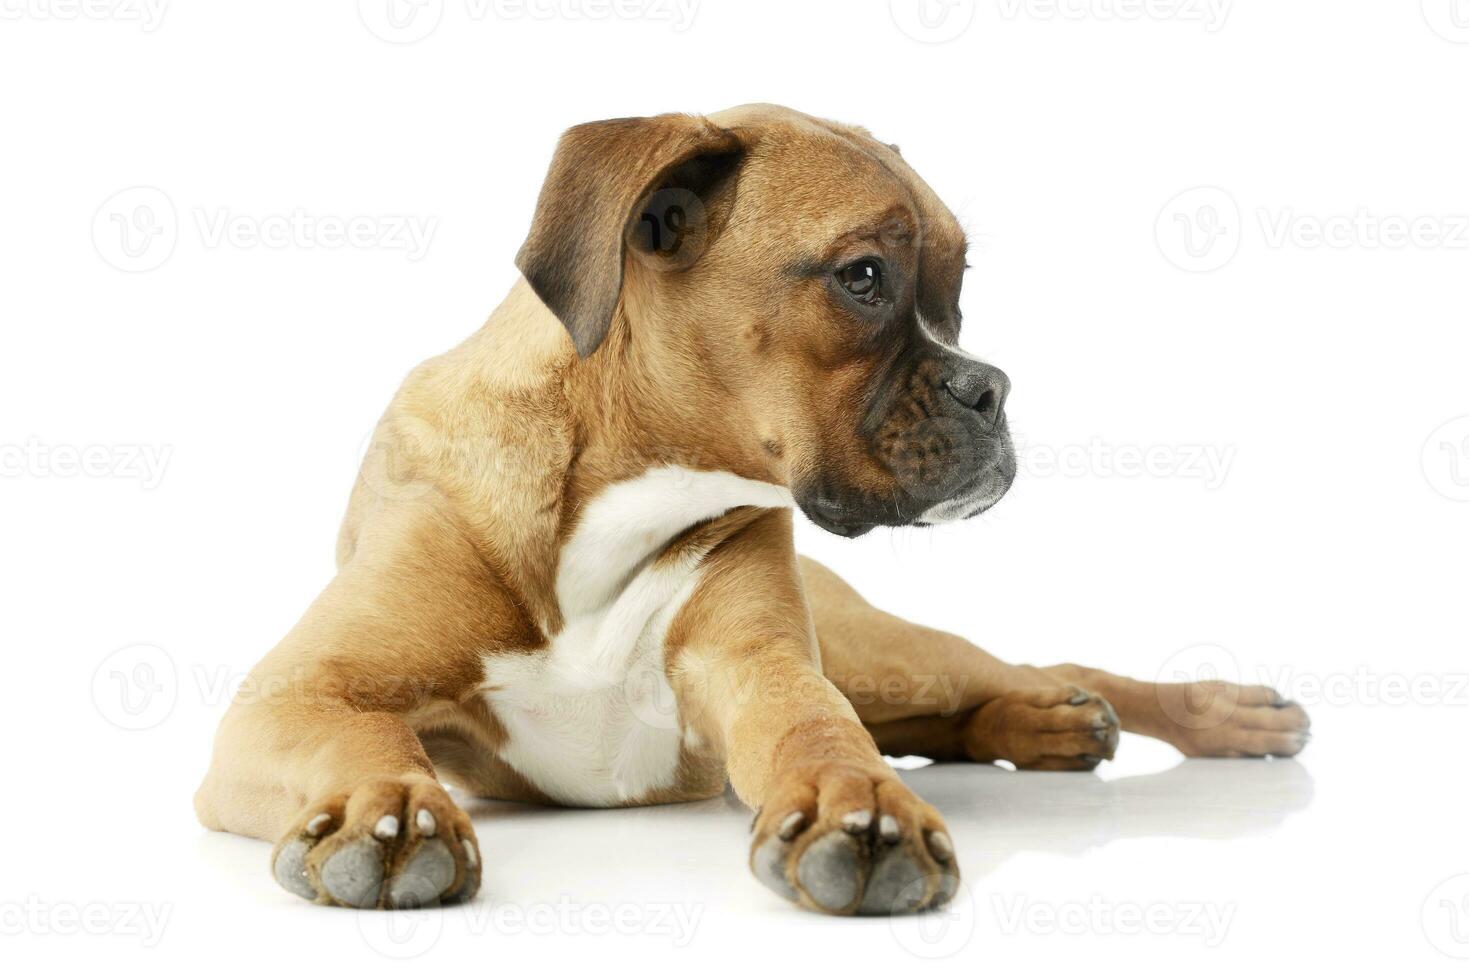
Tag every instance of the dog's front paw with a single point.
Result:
(1220, 719)
(381, 844)
(1056, 728)
(845, 840)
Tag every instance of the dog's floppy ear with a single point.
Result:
(600, 181)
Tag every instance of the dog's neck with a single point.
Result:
(635, 440)
(568, 428)
(646, 399)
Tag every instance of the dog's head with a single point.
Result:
(796, 285)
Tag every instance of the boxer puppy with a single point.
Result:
(566, 573)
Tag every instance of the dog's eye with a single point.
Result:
(862, 280)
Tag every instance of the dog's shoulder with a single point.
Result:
(481, 434)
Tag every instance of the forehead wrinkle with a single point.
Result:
(895, 224)
(870, 231)
(935, 238)
(802, 165)
(757, 121)
(898, 226)
(890, 160)
(927, 208)
(940, 269)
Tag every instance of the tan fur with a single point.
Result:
(487, 456)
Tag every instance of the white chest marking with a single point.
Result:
(591, 719)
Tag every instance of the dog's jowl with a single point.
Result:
(566, 574)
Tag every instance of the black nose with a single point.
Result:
(980, 388)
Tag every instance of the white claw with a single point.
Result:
(386, 828)
(318, 823)
(427, 825)
(471, 856)
(790, 825)
(941, 846)
(857, 821)
(887, 827)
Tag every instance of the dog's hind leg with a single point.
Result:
(922, 691)
(891, 669)
(1201, 718)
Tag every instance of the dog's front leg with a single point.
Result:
(837, 831)
(350, 799)
(316, 752)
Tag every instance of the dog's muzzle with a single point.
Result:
(984, 463)
(939, 430)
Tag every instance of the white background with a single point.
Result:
(178, 441)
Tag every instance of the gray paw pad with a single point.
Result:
(354, 874)
(290, 869)
(468, 889)
(768, 863)
(830, 871)
(895, 886)
(425, 877)
(948, 887)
